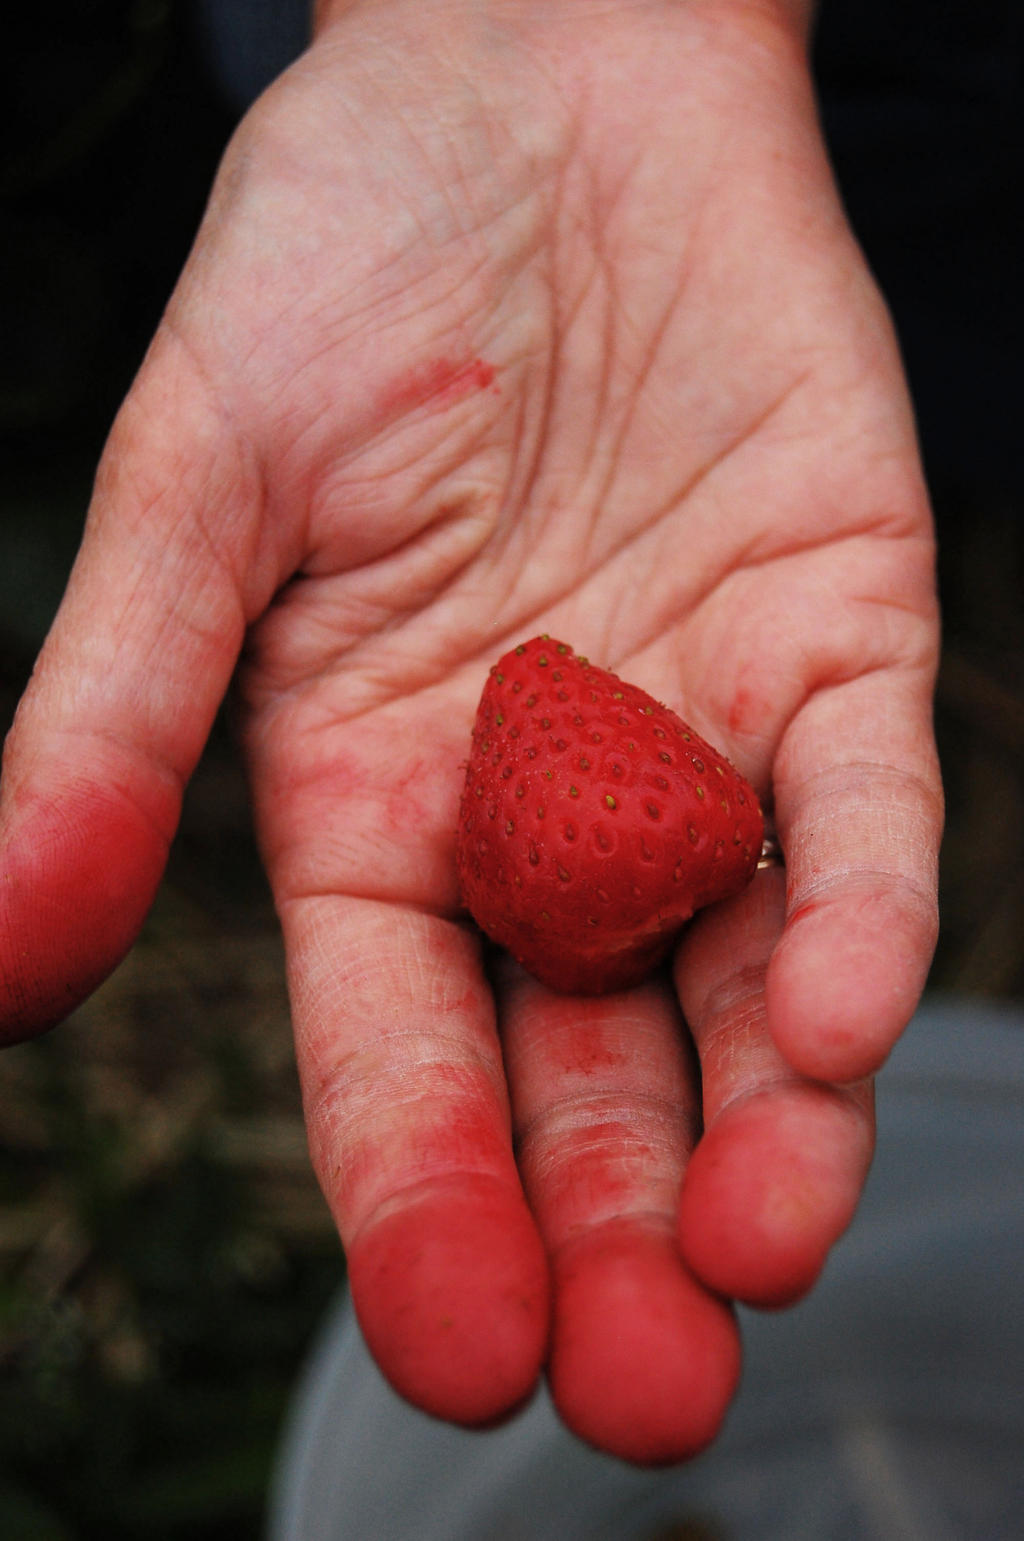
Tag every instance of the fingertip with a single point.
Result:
(451, 1292)
(844, 981)
(645, 1360)
(79, 868)
(771, 1187)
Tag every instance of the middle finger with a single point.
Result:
(644, 1359)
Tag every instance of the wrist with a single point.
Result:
(797, 14)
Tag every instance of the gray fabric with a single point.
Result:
(887, 1407)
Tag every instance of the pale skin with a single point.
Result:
(509, 318)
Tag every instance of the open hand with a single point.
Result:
(507, 319)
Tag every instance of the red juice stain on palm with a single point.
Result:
(441, 382)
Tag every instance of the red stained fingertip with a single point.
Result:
(770, 1188)
(845, 980)
(645, 1360)
(78, 873)
(451, 1292)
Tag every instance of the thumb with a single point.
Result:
(123, 694)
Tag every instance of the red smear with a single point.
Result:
(746, 711)
(581, 1048)
(439, 383)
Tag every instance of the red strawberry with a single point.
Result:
(593, 821)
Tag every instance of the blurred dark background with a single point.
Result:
(164, 1253)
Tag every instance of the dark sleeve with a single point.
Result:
(249, 42)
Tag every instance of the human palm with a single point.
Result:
(521, 327)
